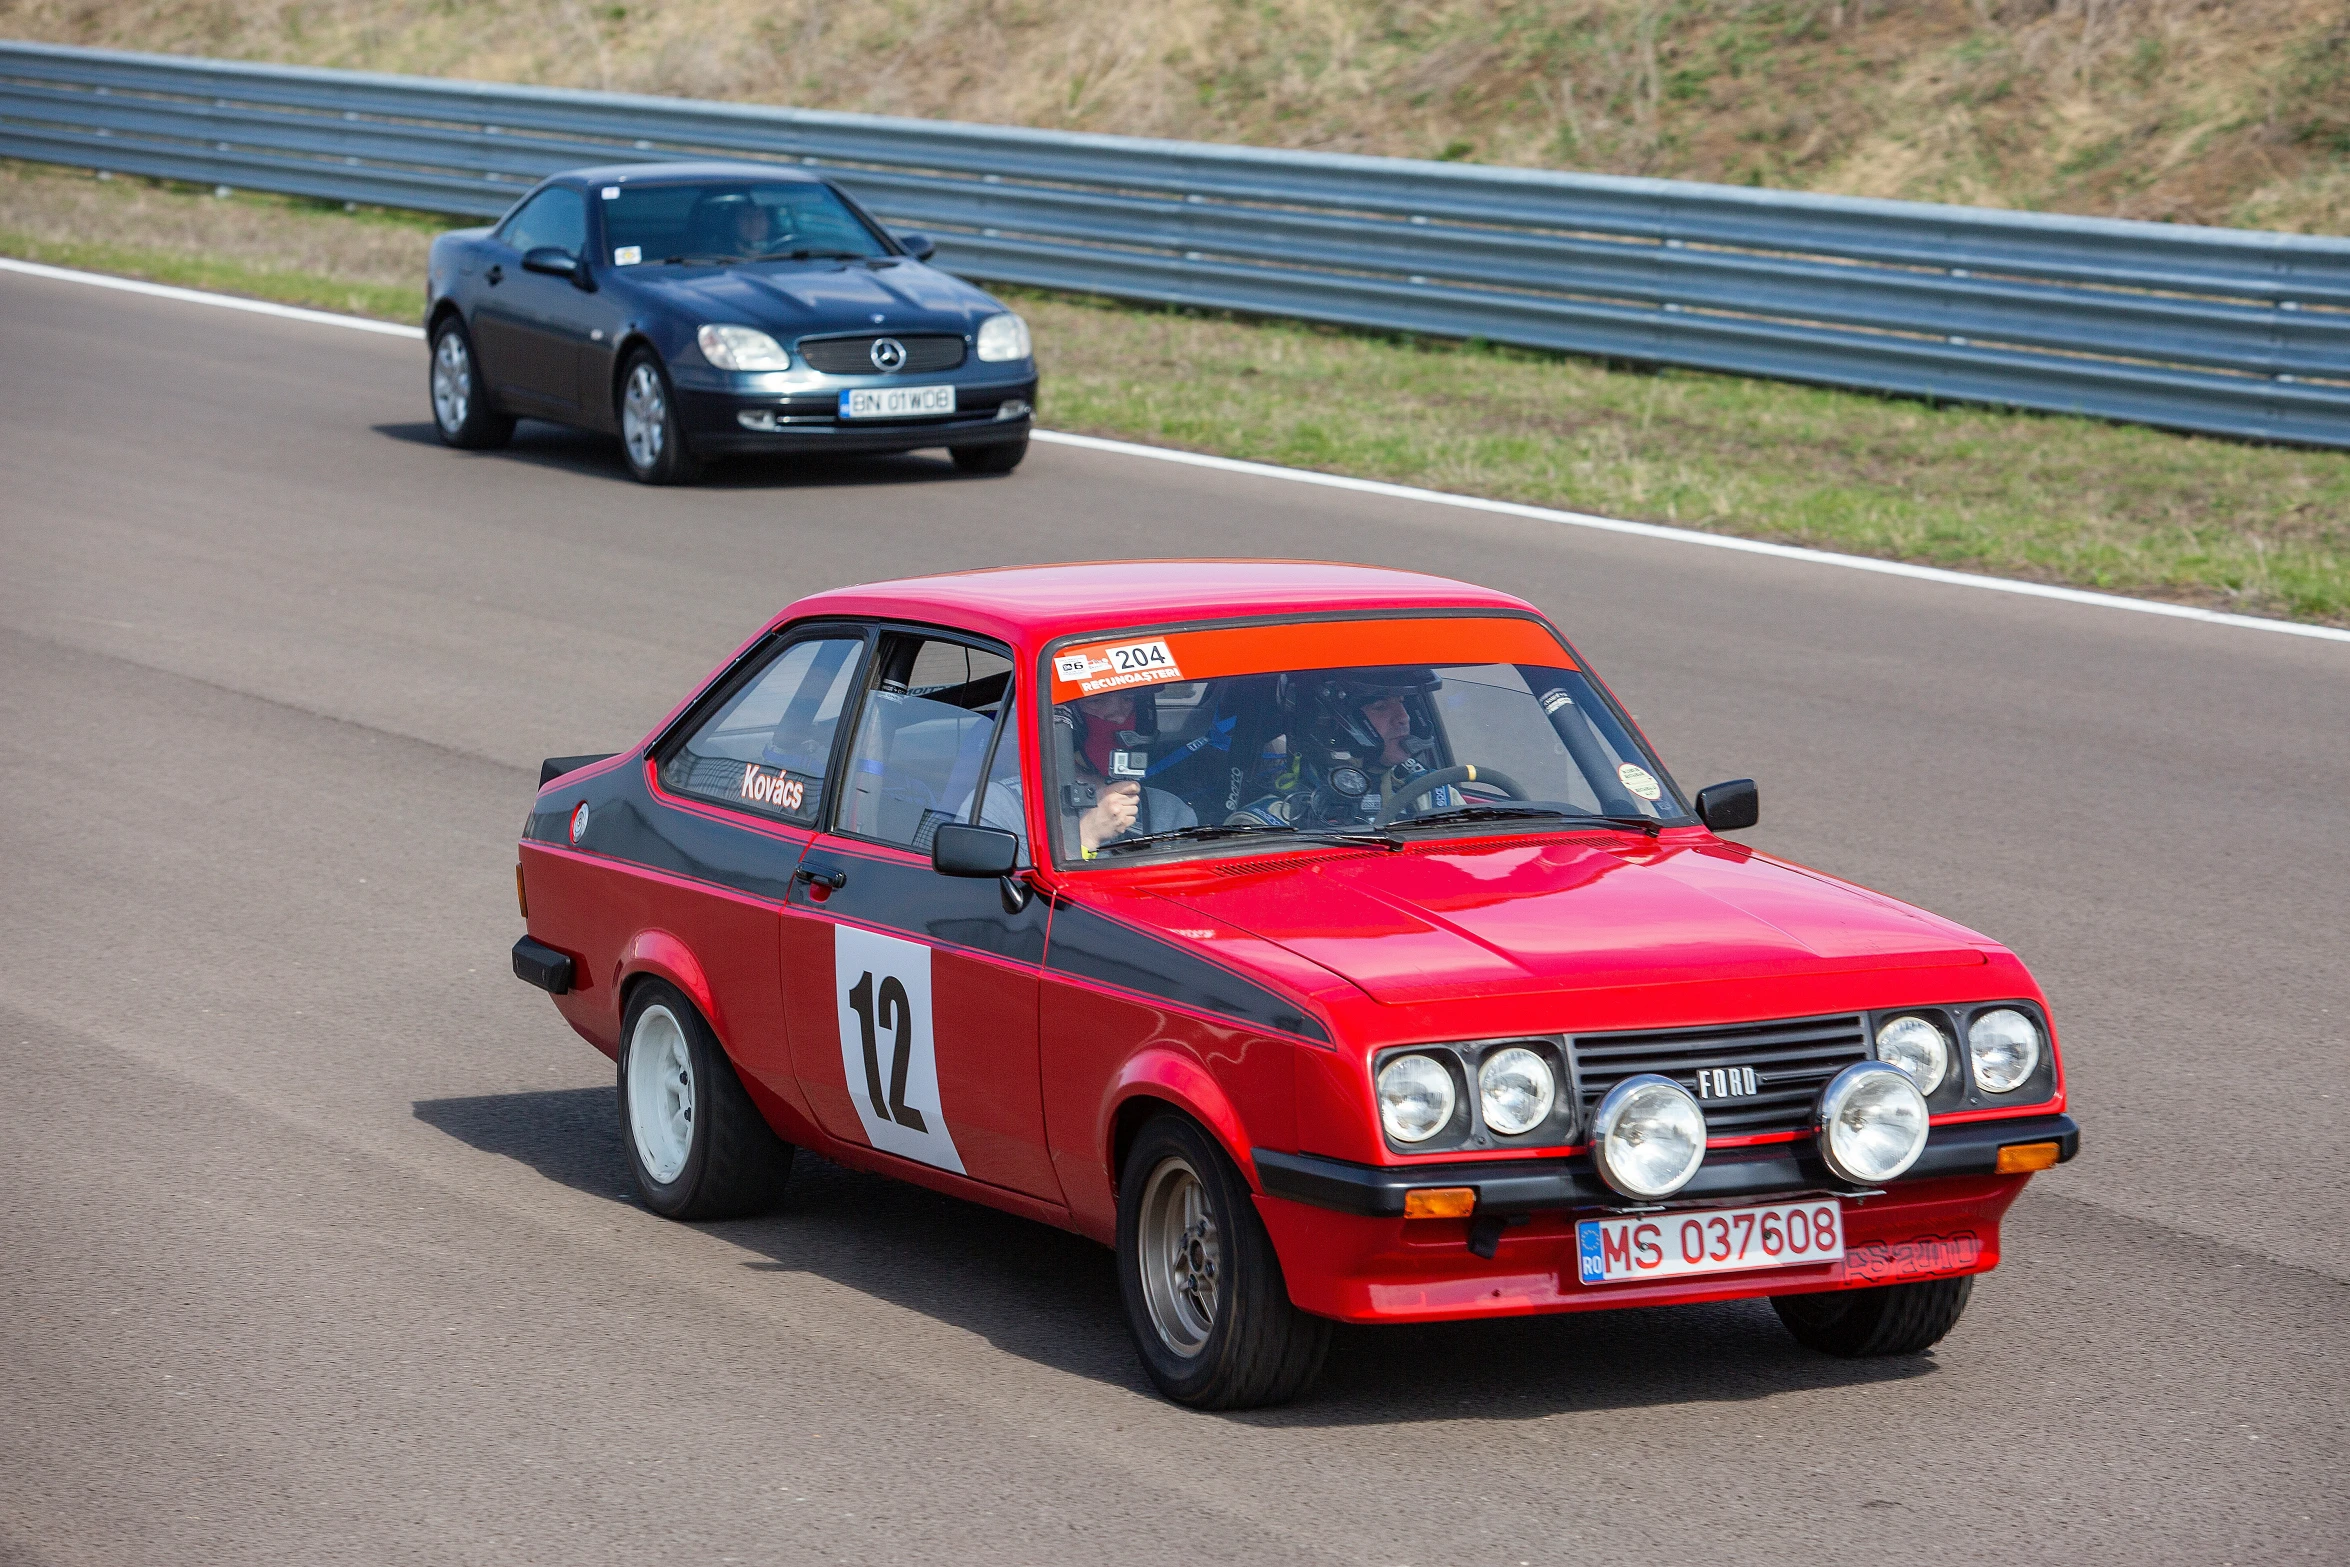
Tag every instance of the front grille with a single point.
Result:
(854, 355)
(1792, 1061)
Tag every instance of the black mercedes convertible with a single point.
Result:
(698, 310)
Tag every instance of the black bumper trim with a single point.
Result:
(543, 966)
(907, 437)
(1536, 1185)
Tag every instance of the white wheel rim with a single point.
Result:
(452, 382)
(644, 416)
(661, 1093)
(1181, 1255)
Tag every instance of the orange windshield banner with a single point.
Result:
(1113, 663)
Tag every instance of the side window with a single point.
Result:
(555, 217)
(765, 750)
(922, 740)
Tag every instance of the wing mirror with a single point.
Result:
(961, 849)
(920, 246)
(555, 261)
(1726, 807)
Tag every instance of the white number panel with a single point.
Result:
(881, 986)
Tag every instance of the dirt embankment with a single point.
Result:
(2207, 111)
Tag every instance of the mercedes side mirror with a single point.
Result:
(553, 260)
(1726, 807)
(961, 849)
(920, 246)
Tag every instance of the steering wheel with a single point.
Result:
(1445, 777)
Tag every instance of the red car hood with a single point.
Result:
(1577, 914)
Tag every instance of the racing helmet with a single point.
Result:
(1324, 709)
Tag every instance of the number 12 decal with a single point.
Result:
(881, 986)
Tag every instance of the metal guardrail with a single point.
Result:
(2234, 332)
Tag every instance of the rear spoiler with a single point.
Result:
(555, 767)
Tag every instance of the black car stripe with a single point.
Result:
(1091, 945)
(626, 821)
(914, 900)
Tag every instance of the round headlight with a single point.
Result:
(1004, 337)
(1916, 1046)
(1648, 1137)
(1872, 1123)
(1415, 1098)
(2006, 1048)
(1516, 1090)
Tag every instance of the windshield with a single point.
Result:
(1197, 742)
(731, 220)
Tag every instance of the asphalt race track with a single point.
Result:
(314, 1241)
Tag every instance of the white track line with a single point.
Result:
(192, 296)
(1401, 492)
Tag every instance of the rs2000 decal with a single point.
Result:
(881, 987)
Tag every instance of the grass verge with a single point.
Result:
(2259, 530)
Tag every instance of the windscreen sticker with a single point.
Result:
(1110, 665)
(611, 193)
(778, 788)
(1213, 652)
(887, 1051)
(628, 255)
(1640, 781)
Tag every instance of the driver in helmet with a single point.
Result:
(1353, 741)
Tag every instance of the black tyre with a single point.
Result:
(461, 407)
(652, 437)
(1204, 1295)
(699, 1147)
(1002, 457)
(1892, 1319)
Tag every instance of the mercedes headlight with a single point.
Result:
(1916, 1046)
(741, 348)
(1872, 1123)
(2006, 1050)
(1415, 1098)
(1516, 1089)
(1648, 1137)
(1004, 337)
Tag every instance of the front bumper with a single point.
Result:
(1347, 1251)
(806, 417)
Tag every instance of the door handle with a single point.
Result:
(830, 877)
(496, 274)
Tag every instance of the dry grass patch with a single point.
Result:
(2208, 111)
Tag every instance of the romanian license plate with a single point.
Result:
(897, 402)
(1715, 1240)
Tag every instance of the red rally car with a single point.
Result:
(1324, 938)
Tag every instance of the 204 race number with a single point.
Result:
(1717, 1240)
(887, 1050)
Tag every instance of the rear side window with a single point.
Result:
(922, 743)
(555, 217)
(766, 750)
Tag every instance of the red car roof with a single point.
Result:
(1030, 605)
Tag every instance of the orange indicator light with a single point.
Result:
(2023, 1158)
(521, 898)
(1440, 1202)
